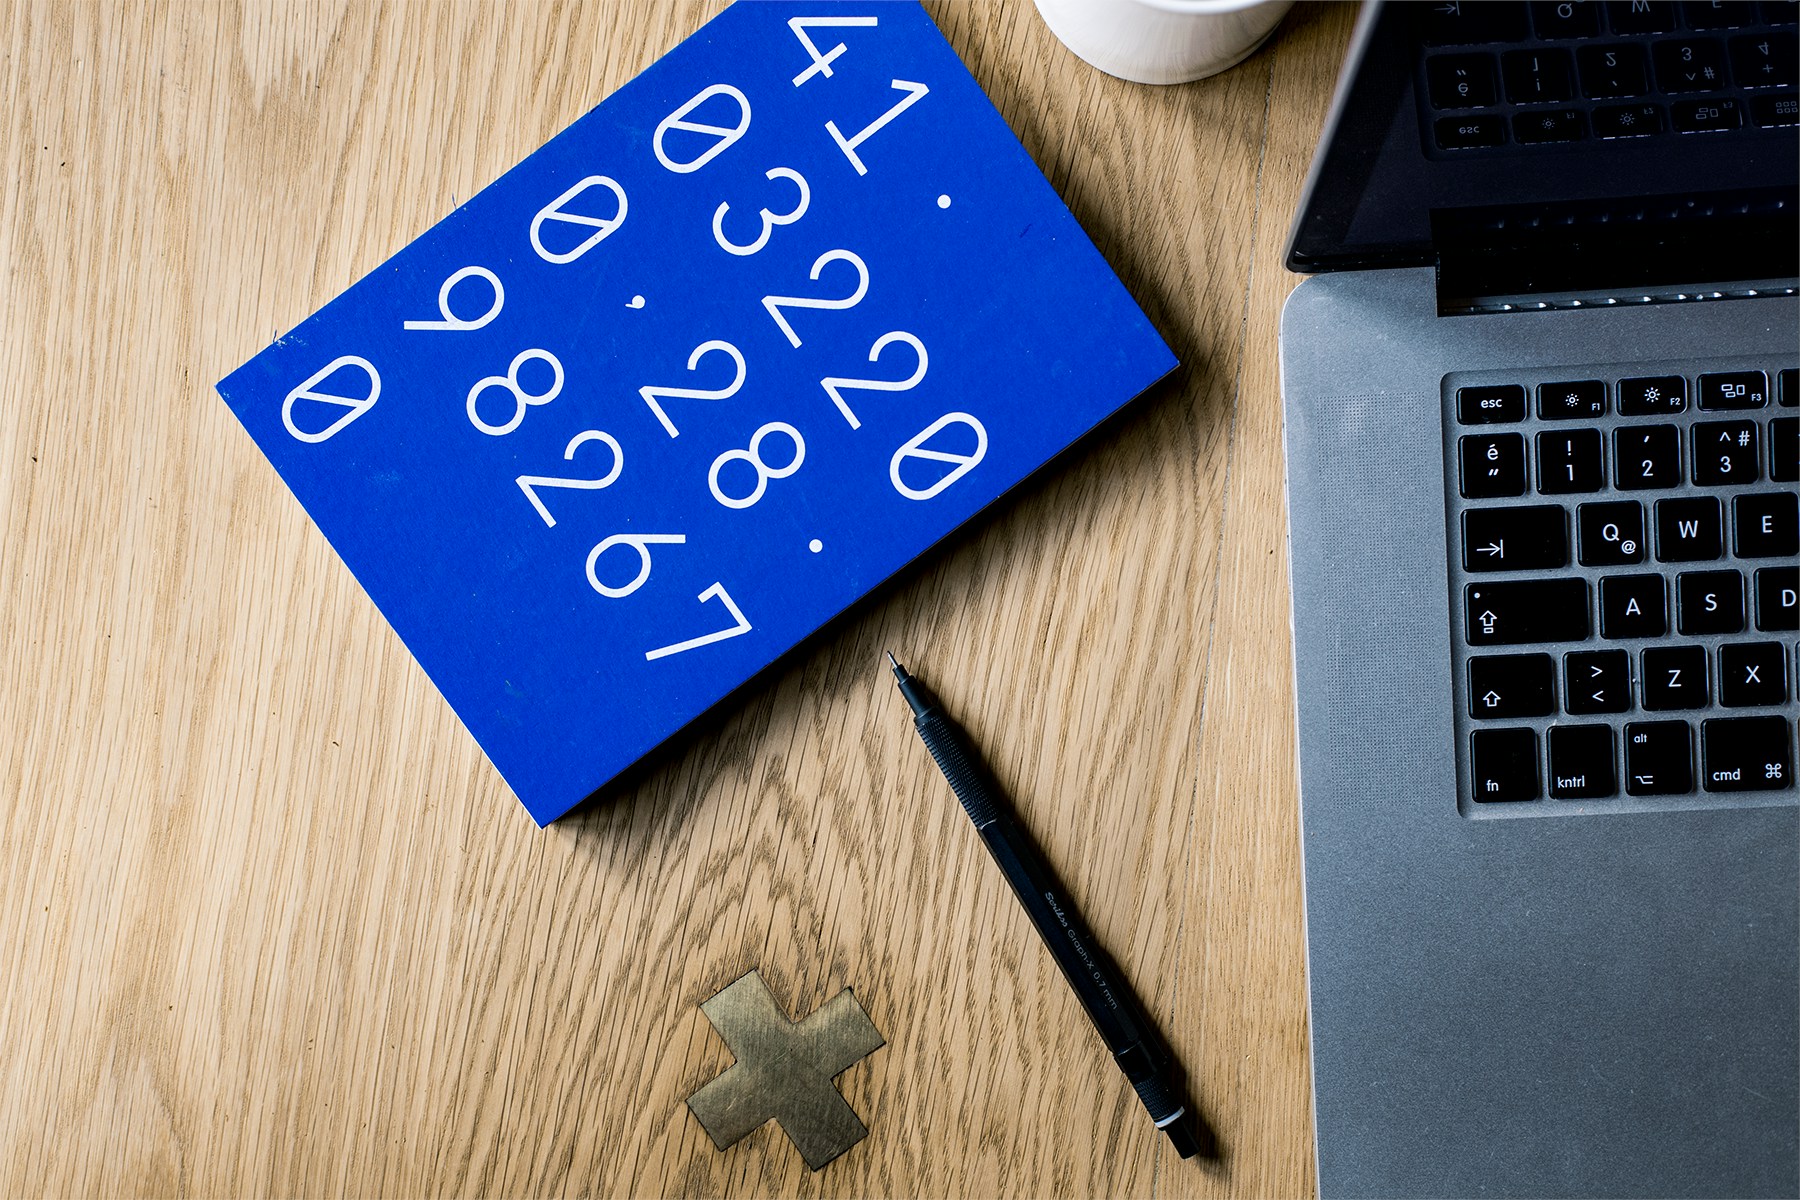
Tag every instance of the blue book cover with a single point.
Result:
(690, 380)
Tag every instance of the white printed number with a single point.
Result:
(351, 406)
(463, 324)
(521, 397)
(914, 93)
(753, 456)
(776, 303)
(769, 220)
(652, 394)
(677, 120)
(603, 227)
(530, 483)
(836, 387)
(740, 625)
(821, 63)
(914, 449)
(641, 542)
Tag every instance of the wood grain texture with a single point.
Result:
(270, 924)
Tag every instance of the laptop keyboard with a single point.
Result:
(1624, 561)
(1498, 73)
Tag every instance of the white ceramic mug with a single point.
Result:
(1163, 41)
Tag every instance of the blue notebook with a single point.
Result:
(722, 356)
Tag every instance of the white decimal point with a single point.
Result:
(914, 93)
(815, 545)
(641, 542)
(943, 202)
(769, 219)
(602, 226)
(821, 63)
(650, 394)
(740, 624)
(913, 449)
(530, 483)
(725, 136)
(521, 397)
(453, 322)
(835, 387)
(753, 456)
(353, 407)
(776, 303)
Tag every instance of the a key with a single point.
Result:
(1674, 677)
(1632, 606)
(1515, 539)
(1470, 131)
(1504, 764)
(1767, 525)
(1496, 405)
(1569, 461)
(1733, 389)
(1709, 602)
(1654, 396)
(1493, 465)
(1784, 449)
(1612, 72)
(1581, 762)
(1760, 60)
(1647, 456)
(1688, 530)
(1528, 610)
(1726, 452)
(1565, 18)
(1629, 17)
(1549, 125)
(1460, 80)
(1707, 115)
(1628, 120)
(1690, 64)
(1578, 400)
(1468, 22)
(1748, 754)
(1538, 76)
(1790, 387)
(1752, 674)
(1596, 681)
(1775, 110)
(1776, 611)
(1511, 685)
(1612, 533)
(1719, 14)
(1659, 758)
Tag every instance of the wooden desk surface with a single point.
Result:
(270, 924)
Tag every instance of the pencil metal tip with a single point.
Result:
(892, 659)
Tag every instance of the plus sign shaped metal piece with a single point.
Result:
(784, 1070)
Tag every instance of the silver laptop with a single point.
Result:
(1542, 455)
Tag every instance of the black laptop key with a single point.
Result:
(1471, 131)
(1726, 452)
(1784, 449)
(1776, 609)
(1596, 681)
(1515, 539)
(1570, 461)
(1469, 22)
(1690, 64)
(1612, 72)
(1460, 80)
(1719, 14)
(1760, 60)
(1628, 17)
(1504, 765)
(1611, 533)
(1499, 404)
(1655, 396)
(1674, 677)
(1538, 76)
(1752, 674)
(1493, 464)
(1767, 524)
(1528, 610)
(1733, 389)
(1711, 115)
(1581, 762)
(1747, 754)
(1577, 400)
(1659, 758)
(1709, 602)
(1628, 120)
(1780, 12)
(1565, 18)
(1632, 606)
(1775, 112)
(1511, 685)
(1790, 387)
(1549, 125)
(1688, 529)
(1647, 456)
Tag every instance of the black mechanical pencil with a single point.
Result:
(1110, 1004)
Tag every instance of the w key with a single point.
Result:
(1515, 539)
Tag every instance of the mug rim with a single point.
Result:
(1201, 7)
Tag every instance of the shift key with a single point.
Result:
(1531, 610)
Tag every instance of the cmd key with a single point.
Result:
(1747, 754)
(1529, 610)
